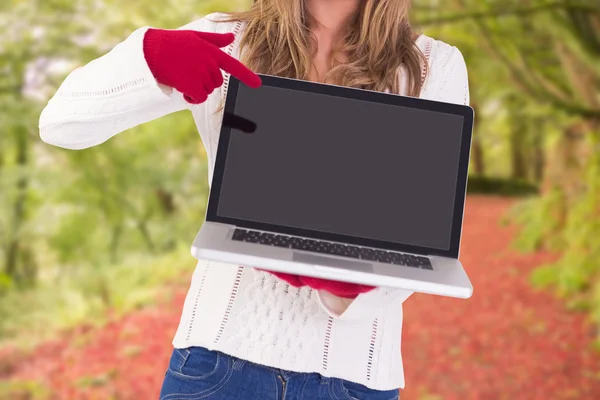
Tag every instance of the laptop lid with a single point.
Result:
(343, 165)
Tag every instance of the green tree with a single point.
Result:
(143, 191)
(29, 36)
(550, 53)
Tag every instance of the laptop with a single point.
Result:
(341, 184)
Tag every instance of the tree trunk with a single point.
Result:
(477, 149)
(539, 156)
(146, 236)
(3, 233)
(114, 243)
(518, 164)
(14, 246)
(478, 158)
(565, 170)
(518, 136)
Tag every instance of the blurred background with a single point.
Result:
(94, 244)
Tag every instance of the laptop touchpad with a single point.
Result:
(332, 262)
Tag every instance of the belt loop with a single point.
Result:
(238, 364)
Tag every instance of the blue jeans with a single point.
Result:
(197, 373)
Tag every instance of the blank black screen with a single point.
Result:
(343, 166)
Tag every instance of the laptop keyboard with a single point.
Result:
(336, 249)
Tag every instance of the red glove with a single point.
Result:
(191, 61)
(340, 289)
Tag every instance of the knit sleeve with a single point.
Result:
(109, 95)
(448, 80)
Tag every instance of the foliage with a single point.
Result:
(86, 296)
(71, 221)
(82, 207)
(552, 70)
(574, 235)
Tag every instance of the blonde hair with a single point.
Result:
(378, 40)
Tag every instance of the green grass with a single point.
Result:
(87, 295)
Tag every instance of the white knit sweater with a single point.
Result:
(238, 310)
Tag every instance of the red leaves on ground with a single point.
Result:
(506, 342)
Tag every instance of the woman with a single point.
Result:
(245, 333)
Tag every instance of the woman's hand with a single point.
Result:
(345, 290)
(191, 61)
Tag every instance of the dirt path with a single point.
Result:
(507, 342)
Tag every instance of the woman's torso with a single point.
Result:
(252, 315)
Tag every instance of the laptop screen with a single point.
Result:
(343, 166)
